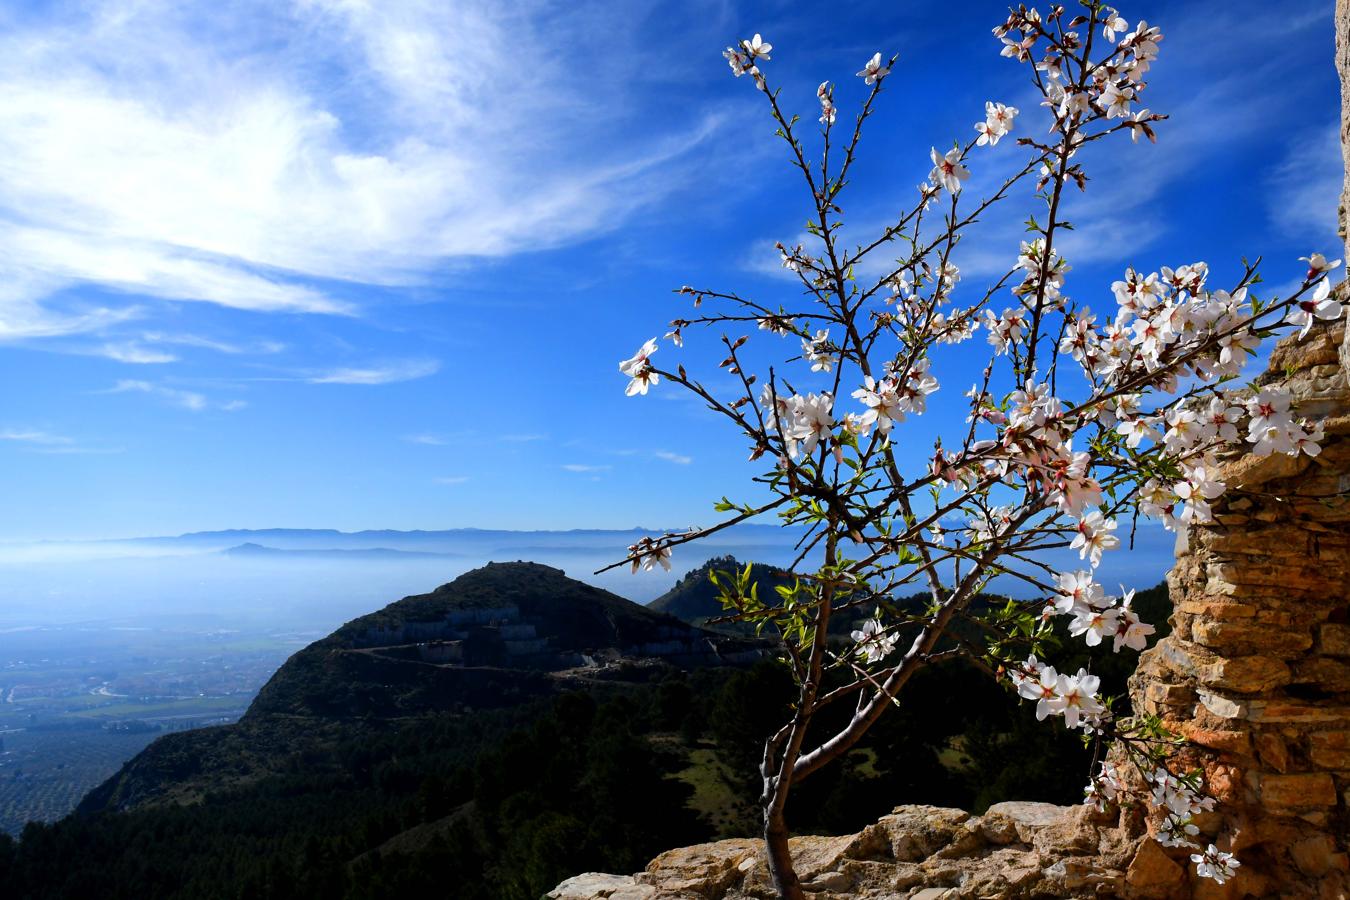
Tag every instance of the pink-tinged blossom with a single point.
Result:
(1139, 124)
(1137, 430)
(639, 370)
(1076, 698)
(882, 402)
(1094, 536)
(1112, 22)
(648, 554)
(757, 48)
(1220, 420)
(998, 121)
(813, 423)
(1093, 624)
(1216, 864)
(740, 63)
(1317, 265)
(1196, 490)
(826, 96)
(1115, 100)
(1129, 630)
(1039, 687)
(874, 70)
(874, 644)
(1077, 591)
(1005, 330)
(1318, 306)
(816, 350)
(948, 171)
(1104, 789)
(1019, 50)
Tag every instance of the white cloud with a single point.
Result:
(678, 459)
(407, 370)
(205, 343)
(134, 353)
(430, 440)
(189, 400)
(1305, 189)
(250, 155)
(45, 442)
(451, 479)
(582, 469)
(33, 436)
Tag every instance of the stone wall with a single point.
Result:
(1256, 673)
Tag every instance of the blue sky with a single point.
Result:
(328, 263)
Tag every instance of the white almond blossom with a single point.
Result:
(1094, 535)
(639, 369)
(948, 171)
(817, 351)
(998, 121)
(757, 48)
(874, 644)
(1215, 863)
(874, 70)
(1319, 306)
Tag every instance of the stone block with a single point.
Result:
(1221, 636)
(1301, 714)
(1330, 749)
(1285, 793)
(1330, 675)
(1246, 674)
(1153, 875)
(1217, 609)
(1314, 856)
(1223, 741)
(1335, 639)
(1273, 751)
(1169, 694)
(1223, 707)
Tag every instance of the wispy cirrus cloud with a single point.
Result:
(185, 399)
(130, 352)
(407, 370)
(1304, 190)
(583, 468)
(34, 436)
(232, 348)
(678, 459)
(257, 156)
(48, 443)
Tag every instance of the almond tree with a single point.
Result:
(1075, 422)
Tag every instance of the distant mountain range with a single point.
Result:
(469, 540)
(256, 550)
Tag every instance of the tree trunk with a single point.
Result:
(780, 858)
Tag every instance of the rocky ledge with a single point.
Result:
(1015, 850)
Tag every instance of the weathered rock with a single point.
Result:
(1154, 874)
(593, 886)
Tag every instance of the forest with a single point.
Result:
(505, 803)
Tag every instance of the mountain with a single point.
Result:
(258, 550)
(451, 745)
(467, 540)
(498, 636)
(694, 597)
